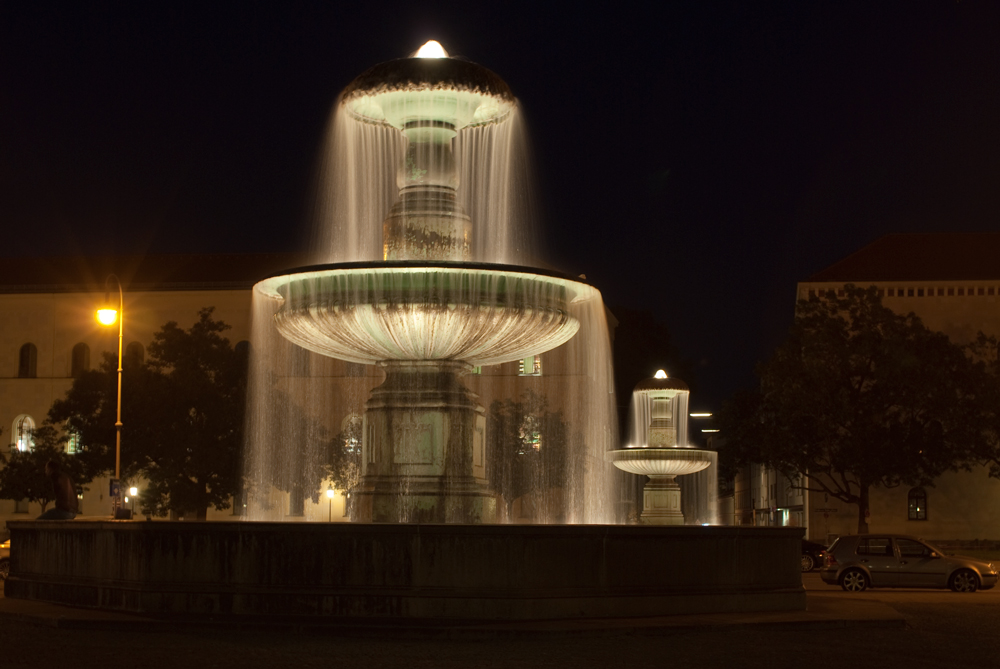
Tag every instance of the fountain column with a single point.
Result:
(424, 313)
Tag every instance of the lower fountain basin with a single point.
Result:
(660, 461)
(481, 314)
(439, 574)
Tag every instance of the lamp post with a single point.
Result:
(330, 495)
(107, 316)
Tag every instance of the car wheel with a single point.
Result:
(854, 580)
(964, 580)
(807, 562)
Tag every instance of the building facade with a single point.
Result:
(952, 282)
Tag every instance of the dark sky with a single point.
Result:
(696, 159)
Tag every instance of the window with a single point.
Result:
(296, 502)
(240, 503)
(27, 361)
(909, 292)
(81, 360)
(21, 506)
(951, 291)
(875, 546)
(24, 433)
(530, 434)
(135, 354)
(908, 548)
(530, 366)
(961, 291)
(73, 443)
(920, 292)
(916, 501)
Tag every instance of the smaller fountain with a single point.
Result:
(661, 458)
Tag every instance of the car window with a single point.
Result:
(875, 546)
(911, 548)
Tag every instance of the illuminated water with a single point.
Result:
(547, 429)
(699, 491)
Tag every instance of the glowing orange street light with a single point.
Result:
(107, 315)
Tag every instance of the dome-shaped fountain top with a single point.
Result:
(457, 92)
(661, 382)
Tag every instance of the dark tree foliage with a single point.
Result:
(859, 397)
(183, 414)
(22, 475)
(343, 466)
(642, 345)
(528, 454)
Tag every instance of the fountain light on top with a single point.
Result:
(432, 49)
(660, 374)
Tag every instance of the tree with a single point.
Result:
(528, 451)
(183, 412)
(860, 397)
(343, 466)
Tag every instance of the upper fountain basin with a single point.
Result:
(480, 314)
(660, 461)
(407, 91)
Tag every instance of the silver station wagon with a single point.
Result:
(858, 562)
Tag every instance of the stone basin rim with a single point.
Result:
(267, 285)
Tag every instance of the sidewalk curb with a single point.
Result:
(821, 613)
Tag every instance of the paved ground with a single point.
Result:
(884, 629)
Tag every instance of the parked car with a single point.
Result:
(813, 555)
(4, 559)
(858, 562)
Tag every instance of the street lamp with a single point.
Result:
(330, 495)
(133, 491)
(107, 315)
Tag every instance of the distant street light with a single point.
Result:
(107, 315)
(330, 495)
(133, 491)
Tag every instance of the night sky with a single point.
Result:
(695, 160)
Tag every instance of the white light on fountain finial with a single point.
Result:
(432, 49)
(660, 374)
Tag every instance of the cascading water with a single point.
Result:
(683, 485)
(483, 387)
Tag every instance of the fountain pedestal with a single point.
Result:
(423, 452)
(661, 502)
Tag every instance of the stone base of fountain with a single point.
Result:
(423, 453)
(661, 502)
(320, 573)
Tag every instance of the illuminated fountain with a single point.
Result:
(437, 294)
(426, 313)
(659, 435)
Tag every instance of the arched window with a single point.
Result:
(81, 360)
(24, 433)
(27, 361)
(135, 354)
(917, 502)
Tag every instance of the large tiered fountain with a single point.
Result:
(427, 303)
(425, 313)
(659, 449)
